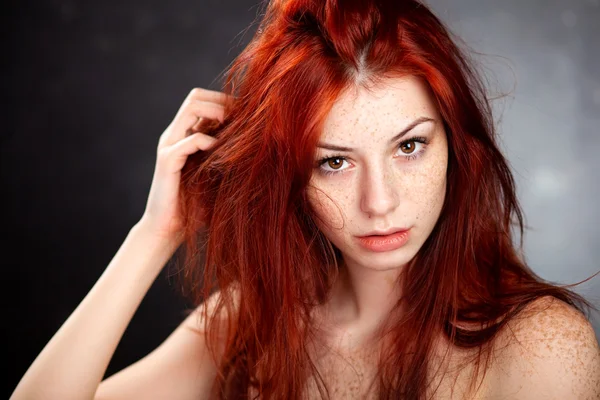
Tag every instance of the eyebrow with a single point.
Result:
(403, 132)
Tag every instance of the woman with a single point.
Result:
(343, 121)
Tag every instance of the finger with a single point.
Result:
(189, 116)
(178, 153)
(193, 143)
(209, 95)
(196, 127)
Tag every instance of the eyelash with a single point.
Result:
(418, 139)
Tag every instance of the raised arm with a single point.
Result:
(73, 362)
(180, 368)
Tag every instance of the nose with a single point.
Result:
(379, 192)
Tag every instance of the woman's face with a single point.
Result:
(378, 182)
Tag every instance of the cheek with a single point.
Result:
(428, 189)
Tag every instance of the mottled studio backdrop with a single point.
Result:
(88, 87)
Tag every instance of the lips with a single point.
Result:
(385, 232)
(389, 242)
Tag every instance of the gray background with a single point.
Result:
(545, 56)
(88, 89)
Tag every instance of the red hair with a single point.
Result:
(250, 225)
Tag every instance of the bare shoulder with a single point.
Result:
(214, 306)
(179, 368)
(550, 351)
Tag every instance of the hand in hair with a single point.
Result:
(181, 139)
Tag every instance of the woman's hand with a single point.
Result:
(162, 215)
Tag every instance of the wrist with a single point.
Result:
(158, 241)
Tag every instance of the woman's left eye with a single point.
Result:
(406, 147)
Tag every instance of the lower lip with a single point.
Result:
(384, 243)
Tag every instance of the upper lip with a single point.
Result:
(386, 232)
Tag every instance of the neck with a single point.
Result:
(364, 296)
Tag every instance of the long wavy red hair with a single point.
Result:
(250, 225)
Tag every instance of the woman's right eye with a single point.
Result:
(339, 160)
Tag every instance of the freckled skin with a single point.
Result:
(549, 352)
(379, 187)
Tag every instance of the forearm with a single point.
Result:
(74, 361)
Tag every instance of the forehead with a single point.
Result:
(393, 102)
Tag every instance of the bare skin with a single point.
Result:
(73, 363)
(379, 185)
(549, 352)
(560, 352)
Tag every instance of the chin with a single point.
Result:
(384, 260)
